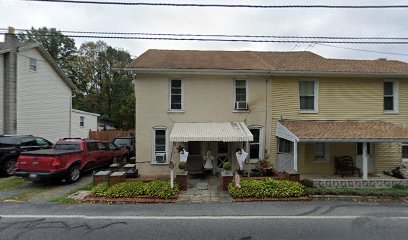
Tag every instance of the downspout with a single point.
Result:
(266, 116)
(70, 116)
(134, 77)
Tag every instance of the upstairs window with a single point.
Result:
(33, 64)
(176, 94)
(241, 98)
(308, 96)
(81, 121)
(390, 96)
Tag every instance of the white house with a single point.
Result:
(82, 122)
(36, 95)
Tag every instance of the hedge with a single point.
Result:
(266, 188)
(157, 188)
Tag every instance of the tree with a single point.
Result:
(60, 47)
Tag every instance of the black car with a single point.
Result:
(12, 145)
(129, 143)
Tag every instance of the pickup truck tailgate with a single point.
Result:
(42, 160)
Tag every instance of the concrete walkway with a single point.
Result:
(206, 190)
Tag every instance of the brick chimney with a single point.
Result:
(10, 82)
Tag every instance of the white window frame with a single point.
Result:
(153, 162)
(261, 145)
(33, 64)
(315, 95)
(325, 159)
(182, 95)
(404, 159)
(246, 94)
(81, 120)
(395, 96)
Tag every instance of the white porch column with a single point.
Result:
(365, 161)
(295, 155)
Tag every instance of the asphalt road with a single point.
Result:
(276, 220)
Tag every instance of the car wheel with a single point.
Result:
(9, 167)
(74, 173)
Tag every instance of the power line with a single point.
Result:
(221, 35)
(221, 5)
(224, 40)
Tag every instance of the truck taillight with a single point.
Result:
(55, 163)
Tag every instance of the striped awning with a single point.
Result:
(211, 132)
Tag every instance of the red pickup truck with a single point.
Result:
(68, 159)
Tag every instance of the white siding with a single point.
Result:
(43, 99)
(1, 93)
(91, 123)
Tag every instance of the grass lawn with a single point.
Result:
(383, 192)
(12, 183)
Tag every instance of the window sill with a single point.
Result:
(159, 164)
(391, 112)
(241, 111)
(308, 112)
(175, 111)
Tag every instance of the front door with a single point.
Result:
(223, 155)
(359, 157)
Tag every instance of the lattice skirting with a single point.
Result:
(359, 183)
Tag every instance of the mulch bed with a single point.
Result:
(141, 199)
(289, 199)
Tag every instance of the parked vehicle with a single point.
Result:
(129, 143)
(67, 160)
(11, 146)
(119, 154)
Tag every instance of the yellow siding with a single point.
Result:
(339, 99)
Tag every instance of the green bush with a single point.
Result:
(182, 165)
(161, 189)
(389, 192)
(100, 190)
(266, 188)
(306, 182)
(227, 166)
(126, 190)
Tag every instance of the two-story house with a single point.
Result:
(297, 109)
(35, 94)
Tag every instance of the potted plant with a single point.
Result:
(182, 166)
(227, 168)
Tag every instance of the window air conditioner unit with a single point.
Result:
(241, 105)
(160, 157)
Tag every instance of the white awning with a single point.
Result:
(211, 132)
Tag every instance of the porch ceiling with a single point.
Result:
(217, 132)
(341, 131)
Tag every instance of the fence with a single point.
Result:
(110, 134)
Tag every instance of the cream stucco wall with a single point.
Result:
(207, 98)
(340, 99)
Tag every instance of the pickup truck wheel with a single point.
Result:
(9, 167)
(74, 173)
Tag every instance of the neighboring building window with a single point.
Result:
(241, 98)
(176, 94)
(308, 96)
(33, 64)
(81, 121)
(321, 153)
(404, 155)
(159, 145)
(360, 148)
(390, 96)
(256, 146)
(285, 146)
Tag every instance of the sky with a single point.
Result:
(300, 22)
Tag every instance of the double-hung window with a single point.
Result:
(159, 145)
(241, 95)
(390, 96)
(176, 95)
(81, 121)
(320, 150)
(256, 146)
(308, 96)
(404, 153)
(33, 64)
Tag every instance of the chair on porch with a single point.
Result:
(345, 164)
(195, 166)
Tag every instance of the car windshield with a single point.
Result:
(67, 146)
(122, 142)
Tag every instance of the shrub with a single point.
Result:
(266, 188)
(306, 182)
(126, 190)
(182, 165)
(227, 166)
(100, 190)
(161, 189)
